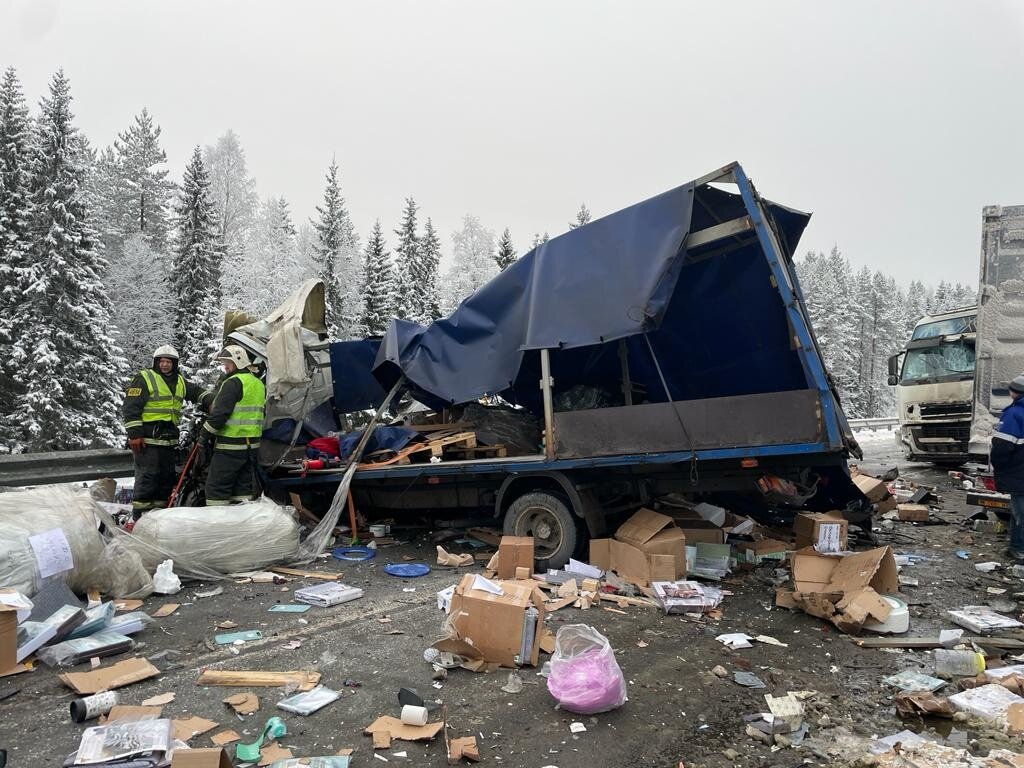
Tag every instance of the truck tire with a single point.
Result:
(548, 520)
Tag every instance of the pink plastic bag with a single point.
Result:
(585, 678)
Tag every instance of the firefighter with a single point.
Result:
(151, 413)
(235, 426)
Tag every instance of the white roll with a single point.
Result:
(413, 715)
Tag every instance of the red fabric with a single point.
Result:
(328, 445)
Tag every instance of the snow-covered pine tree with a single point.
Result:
(72, 366)
(473, 263)
(143, 309)
(430, 263)
(583, 216)
(378, 290)
(406, 269)
(337, 257)
(232, 191)
(195, 275)
(15, 141)
(144, 191)
(506, 253)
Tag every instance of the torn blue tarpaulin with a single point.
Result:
(715, 320)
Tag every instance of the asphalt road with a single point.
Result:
(678, 711)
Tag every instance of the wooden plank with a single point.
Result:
(458, 426)
(719, 232)
(303, 681)
(499, 451)
(1006, 643)
(305, 574)
(620, 600)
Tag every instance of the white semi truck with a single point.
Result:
(934, 380)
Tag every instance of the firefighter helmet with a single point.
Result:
(165, 350)
(236, 355)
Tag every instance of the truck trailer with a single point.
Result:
(662, 349)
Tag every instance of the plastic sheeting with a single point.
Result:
(27, 513)
(716, 322)
(227, 539)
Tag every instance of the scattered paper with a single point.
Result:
(127, 605)
(159, 701)
(735, 640)
(52, 551)
(769, 640)
(583, 569)
(486, 585)
(166, 610)
(577, 728)
(987, 567)
(272, 753)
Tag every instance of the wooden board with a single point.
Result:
(481, 451)
(325, 576)
(1006, 643)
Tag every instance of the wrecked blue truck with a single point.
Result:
(661, 351)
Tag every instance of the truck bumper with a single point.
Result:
(940, 442)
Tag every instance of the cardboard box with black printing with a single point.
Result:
(489, 627)
(827, 531)
(647, 547)
(844, 589)
(514, 552)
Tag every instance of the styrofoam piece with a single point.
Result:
(989, 702)
(1000, 672)
(896, 623)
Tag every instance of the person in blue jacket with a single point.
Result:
(1007, 458)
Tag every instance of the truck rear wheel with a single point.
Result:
(548, 520)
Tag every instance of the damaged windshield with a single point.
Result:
(945, 362)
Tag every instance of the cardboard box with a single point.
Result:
(206, 757)
(492, 624)
(647, 547)
(912, 513)
(842, 589)
(8, 638)
(876, 490)
(705, 535)
(825, 531)
(514, 552)
(754, 552)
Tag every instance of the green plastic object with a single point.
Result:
(231, 637)
(250, 753)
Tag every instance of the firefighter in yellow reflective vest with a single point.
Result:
(151, 413)
(235, 426)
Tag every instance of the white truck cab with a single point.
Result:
(934, 380)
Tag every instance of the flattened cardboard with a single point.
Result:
(184, 730)
(207, 757)
(108, 678)
(130, 713)
(492, 624)
(273, 752)
(514, 552)
(224, 738)
(463, 747)
(400, 730)
(812, 528)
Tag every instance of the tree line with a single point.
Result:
(104, 256)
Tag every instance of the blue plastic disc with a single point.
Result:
(355, 553)
(407, 570)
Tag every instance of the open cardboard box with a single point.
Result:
(488, 627)
(647, 547)
(842, 589)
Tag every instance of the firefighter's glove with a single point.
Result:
(137, 444)
(203, 439)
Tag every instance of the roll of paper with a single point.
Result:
(412, 715)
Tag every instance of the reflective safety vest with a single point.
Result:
(246, 420)
(162, 405)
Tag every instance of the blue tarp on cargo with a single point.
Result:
(713, 317)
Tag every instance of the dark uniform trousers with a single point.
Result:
(229, 477)
(155, 476)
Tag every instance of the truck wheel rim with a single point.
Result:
(545, 529)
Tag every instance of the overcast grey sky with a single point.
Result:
(893, 122)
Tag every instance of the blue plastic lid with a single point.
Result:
(353, 553)
(408, 570)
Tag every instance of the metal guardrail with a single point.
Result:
(873, 424)
(64, 466)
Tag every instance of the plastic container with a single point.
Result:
(896, 623)
(950, 663)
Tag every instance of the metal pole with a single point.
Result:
(545, 385)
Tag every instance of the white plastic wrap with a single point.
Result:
(225, 539)
(27, 513)
(119, 571)
(165, 580)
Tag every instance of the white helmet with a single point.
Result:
(166, 350)
(236, 355)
